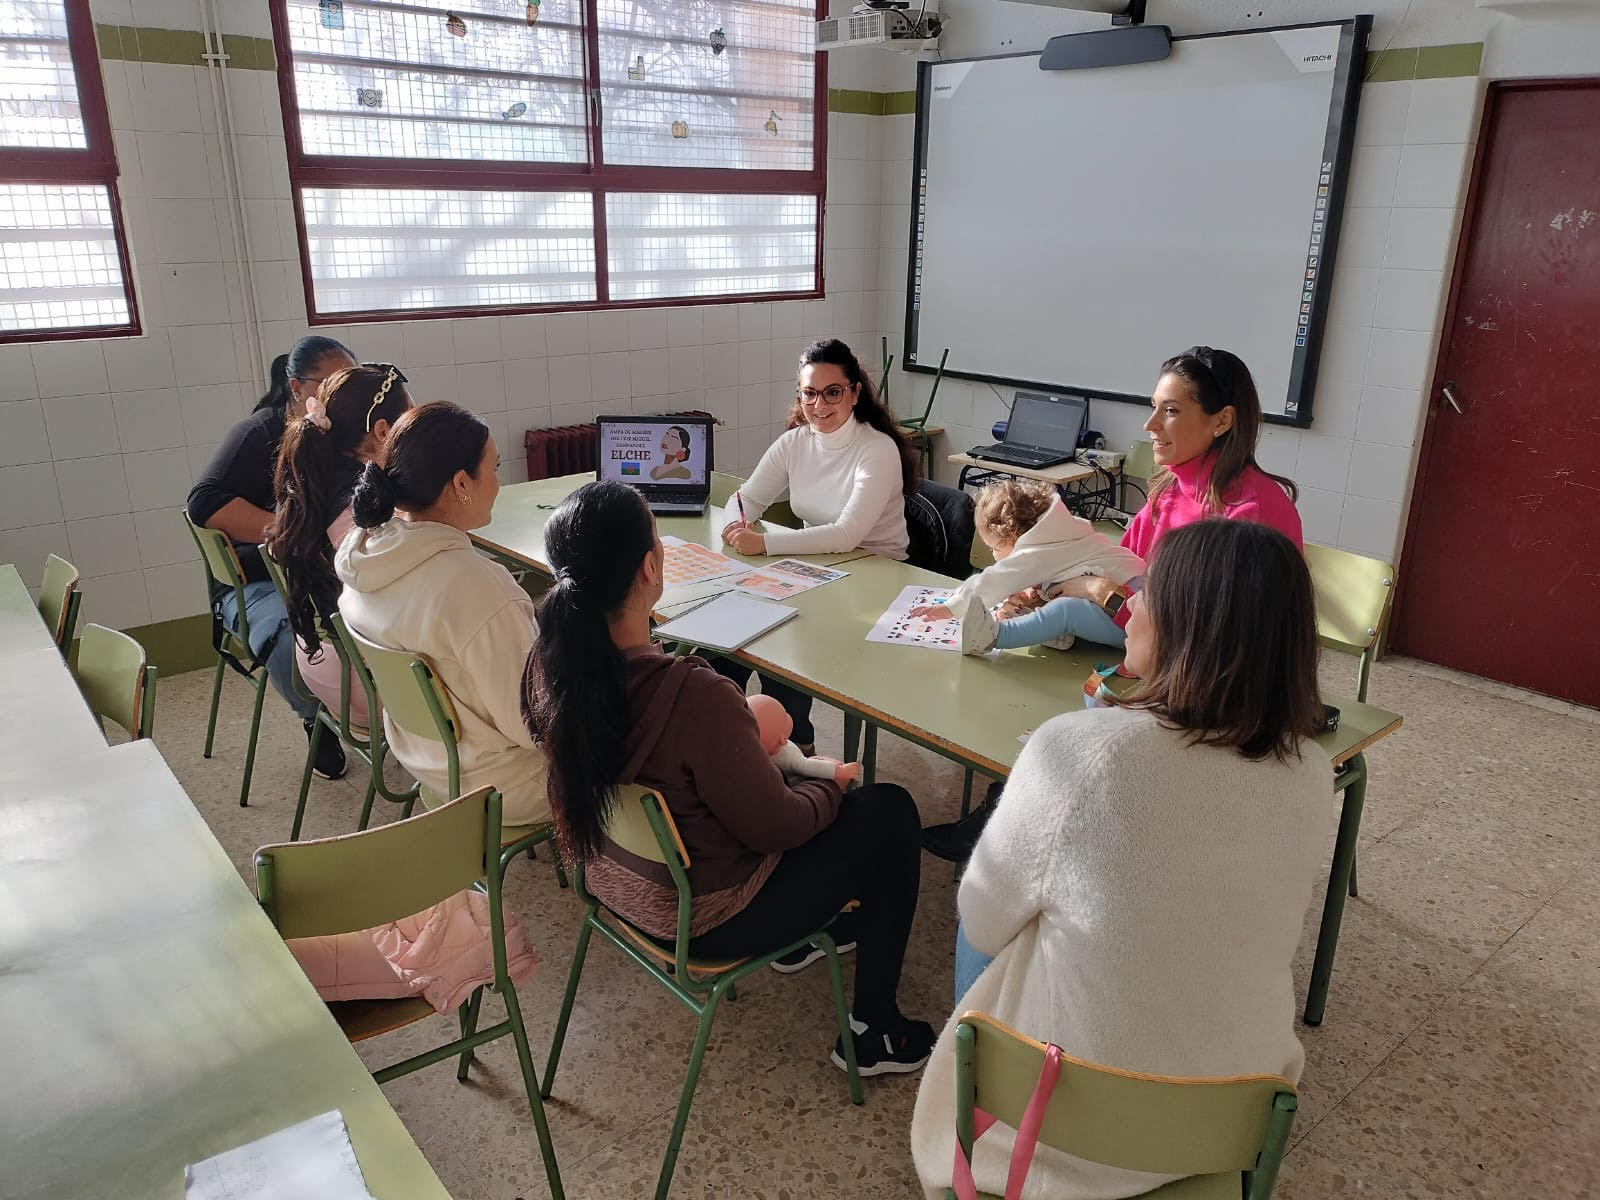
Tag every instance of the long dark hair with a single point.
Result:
(300, 363)
(426, 447)
(575, 691)
(1220, 379)
(869, 409)
(303, 486)
(1236, 638)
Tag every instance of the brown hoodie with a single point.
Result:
(693, 739)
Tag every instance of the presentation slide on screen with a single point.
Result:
(653, 452)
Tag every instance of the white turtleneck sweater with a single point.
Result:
(845, 486)
(1142, 898)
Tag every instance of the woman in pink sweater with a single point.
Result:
(1203, 428)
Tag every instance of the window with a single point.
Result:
(458, 156)
(63, 256)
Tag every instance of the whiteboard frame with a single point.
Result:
(1338, 147)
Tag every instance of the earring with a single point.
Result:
(464, 498)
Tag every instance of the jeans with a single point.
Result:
(264, 608)
(969, 965)
(796, 703)
(870, 853)
(1066, 614)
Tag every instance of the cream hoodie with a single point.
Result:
(420, 586)
(1060, 546)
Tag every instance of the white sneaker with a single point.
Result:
(1065, 642)
(979, 629)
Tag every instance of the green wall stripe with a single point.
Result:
(1455, 61)
(898, 104)
(177, 646)
(181, 47)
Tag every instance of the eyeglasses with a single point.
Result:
(829, 396)
(393, 375)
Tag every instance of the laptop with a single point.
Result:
(667, 458)
(1041, 432)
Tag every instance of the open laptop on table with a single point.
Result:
(1041, 432)
(669, 459)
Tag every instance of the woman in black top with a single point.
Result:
(234, 494)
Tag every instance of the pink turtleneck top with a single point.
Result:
(1254, 496)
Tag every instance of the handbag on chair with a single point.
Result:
(1027, 1142)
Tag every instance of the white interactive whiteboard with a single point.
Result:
(1072, 229)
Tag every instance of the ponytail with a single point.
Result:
(426, 447)
(300, 363)
(306, 498)
(575, 687)
(277, 386)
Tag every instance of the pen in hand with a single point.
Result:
(739, 500)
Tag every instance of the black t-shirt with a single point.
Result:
(242, 469)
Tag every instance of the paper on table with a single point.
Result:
(313, 1158)
(784, 578)
(689, 562)
(726, 623)
(898, 628)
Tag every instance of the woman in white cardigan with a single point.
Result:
(1138, 895)
(847, 470)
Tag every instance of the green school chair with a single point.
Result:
(415, 700)
(358, 880)
(723, 488)
(641, 824)
(1353, 594)
(1227, 1135)
(60, 600)
(917, 428)
(116, 678)
(223, 570)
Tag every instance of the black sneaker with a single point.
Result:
(898, 1050)
(954, 842)
(843, 932)
(330, 762)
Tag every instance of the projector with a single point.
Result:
(894, 27)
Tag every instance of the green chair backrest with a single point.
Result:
(723, 488)
(1140, 461)
(355, 667)
(116, 678)
(1163, 1124)
(412, 696)
(223, 569)
(358, 880)
(1353, 597)
(59, 599)
(641, 823)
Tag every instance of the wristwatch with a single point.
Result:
(1116, 607)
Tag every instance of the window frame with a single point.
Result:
(95, 164)
(596, 178)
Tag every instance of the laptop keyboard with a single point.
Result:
(1015, 454)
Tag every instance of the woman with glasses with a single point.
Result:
(234, 494)
(847, 470)
(345, 425)
(413, 581)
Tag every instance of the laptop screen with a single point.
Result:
(1049, 422)
(670, 452)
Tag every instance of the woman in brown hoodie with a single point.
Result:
(772, 859)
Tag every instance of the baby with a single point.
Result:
(776, 725)
(1036, 543)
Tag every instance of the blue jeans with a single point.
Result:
(969, 965)
(264, 608)
(1066, 614)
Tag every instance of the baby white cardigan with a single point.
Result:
(1143, 899)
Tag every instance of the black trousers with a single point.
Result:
(870, 853)
(796, 703)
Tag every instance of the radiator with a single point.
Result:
(569, 449)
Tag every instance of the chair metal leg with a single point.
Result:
(305, 781)
(1344, 857)
(530, 1083)
(1353, 891)
(566, 1003)
(467, 1014)
(216, 698)
(842, 1010)
(260, 682)
(686, 1099)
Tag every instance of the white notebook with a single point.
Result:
(728, 622)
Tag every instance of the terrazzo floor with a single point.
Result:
(1460, 1055)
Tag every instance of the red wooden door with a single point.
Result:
(1501, 570)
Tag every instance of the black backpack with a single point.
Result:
(940, 523)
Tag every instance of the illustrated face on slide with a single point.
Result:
(1179, 428)
(672, 446)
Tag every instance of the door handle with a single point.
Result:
(1449, 392)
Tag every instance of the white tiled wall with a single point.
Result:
(99, 440)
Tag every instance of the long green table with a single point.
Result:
(43, 717)
(152, 1015)
(973, 710)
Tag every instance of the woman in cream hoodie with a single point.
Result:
(413, 581)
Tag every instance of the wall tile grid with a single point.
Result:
(99, 440)
(1414, 144)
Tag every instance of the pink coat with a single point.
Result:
(441, 953)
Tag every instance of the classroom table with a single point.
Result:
(974, 710)
(43, 716)
(152, 1015)
(1059, 475)
(21, 626)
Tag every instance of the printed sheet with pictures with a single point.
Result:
(690, 562)
(897, 627)
(784, 578)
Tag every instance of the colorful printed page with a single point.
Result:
(690, 562)
(784, 578)
(898, 628)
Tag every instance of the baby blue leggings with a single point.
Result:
(1066, 614)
